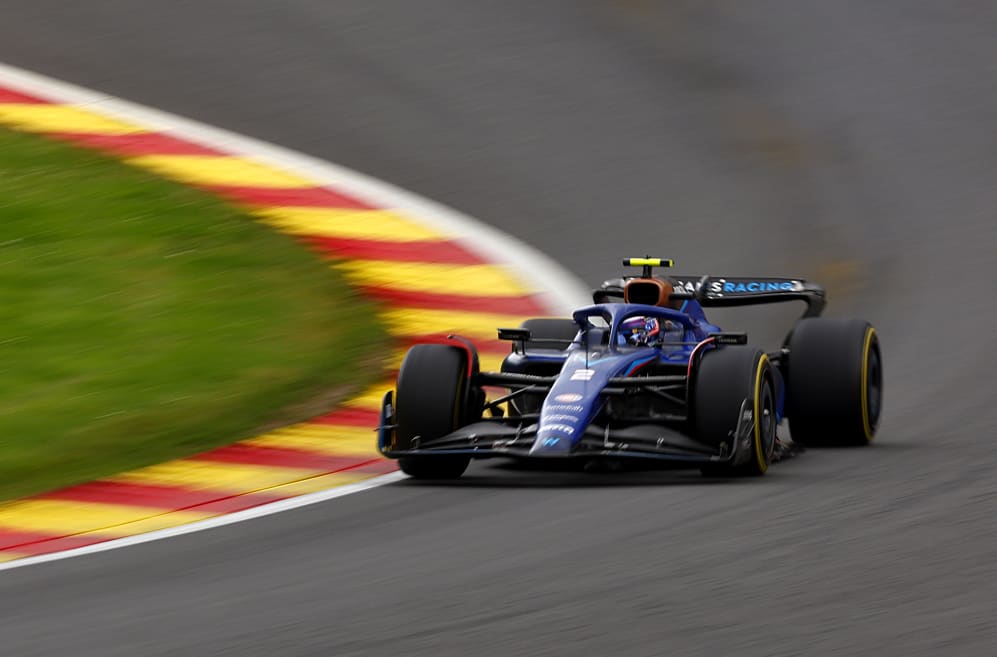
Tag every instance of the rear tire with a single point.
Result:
(431, 401)
(834, 382)
(724, 379)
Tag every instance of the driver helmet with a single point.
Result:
(639, 330)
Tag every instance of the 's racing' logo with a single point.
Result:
(723, 286)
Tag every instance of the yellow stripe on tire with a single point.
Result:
(870, 333)
(763, 465)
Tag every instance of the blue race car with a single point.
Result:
(640, 375)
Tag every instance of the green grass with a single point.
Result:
(141, 320)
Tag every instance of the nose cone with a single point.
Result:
(571, 403)
(551, 443)
(562, 421)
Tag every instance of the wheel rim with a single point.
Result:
(767, 421)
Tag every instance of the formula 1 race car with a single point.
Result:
(642, 374)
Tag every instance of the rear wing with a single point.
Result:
(726, 291)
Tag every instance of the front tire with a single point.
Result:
(834, 382)
(432, 400)
(725, 379)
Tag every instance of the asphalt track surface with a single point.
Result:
(848, 140)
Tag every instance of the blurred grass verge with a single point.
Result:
(141, 320)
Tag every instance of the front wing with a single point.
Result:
(501, 437)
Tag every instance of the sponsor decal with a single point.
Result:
(555, 417)
(562, 408)
(723, 286)
(687, 287)
(568, 397)
(560, 428)
(550, 442)
(582, 375)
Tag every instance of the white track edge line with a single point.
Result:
(211, 523)
(559, 290)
